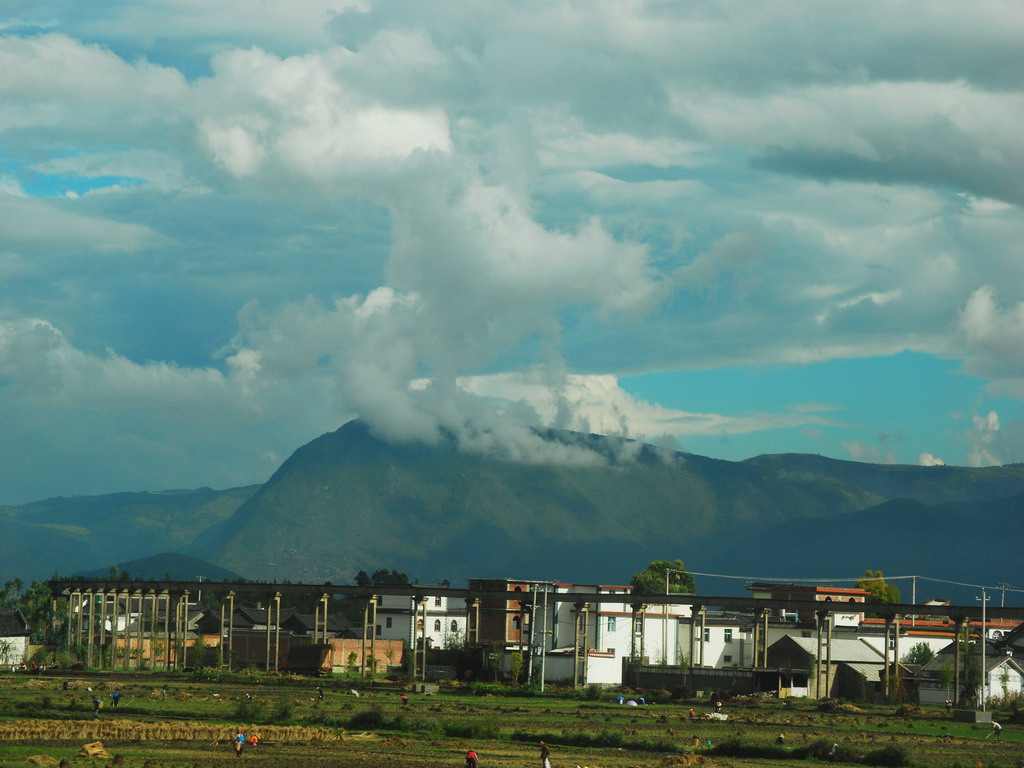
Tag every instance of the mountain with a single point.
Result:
(928, 485)
(951, 544)
(71, 534)
(167, 565)
(348, 501)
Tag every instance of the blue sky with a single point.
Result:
(720, 228)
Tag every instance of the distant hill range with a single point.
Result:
(347, 502)
(68, 535)
(171, 566)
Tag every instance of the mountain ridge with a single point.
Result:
(348, 501)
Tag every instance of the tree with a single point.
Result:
(651, 581)
(881, 592)
(11, 595)
(920, 653)
(381, 576)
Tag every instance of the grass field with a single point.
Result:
(192, 725)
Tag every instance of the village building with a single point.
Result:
(440, 620)
(14, 636)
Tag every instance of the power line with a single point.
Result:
(822, 580)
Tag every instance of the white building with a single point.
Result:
(14, 635)
(402, 618)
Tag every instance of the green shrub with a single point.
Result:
(496, 689)
(368, 720)
(250, 711)
(283, 707)
(320, 716)
(828, 750)
(204, 675)
(478, 731)
(605, 738)
(734, 747)
(890, 756)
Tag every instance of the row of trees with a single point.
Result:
(670, 576)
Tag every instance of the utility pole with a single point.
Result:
(984, 642)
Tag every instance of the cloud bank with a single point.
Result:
(226, 230)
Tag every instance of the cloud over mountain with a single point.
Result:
(227, 229)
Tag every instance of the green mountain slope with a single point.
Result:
(347, 501)
(929, 485)
(70, 534)
(168, 565)
(974, 543)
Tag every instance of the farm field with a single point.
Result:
(175, 721)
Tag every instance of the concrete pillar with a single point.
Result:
(961, 626)
(764, 636)
(231, 628)
(757, 641)
(886, 672)
(140, 603)
(221, 638)
(828, 653)
(326, 599)
(819, 632)
(75, 638)
(91, 628)
(277, 631)
(642, 632)
(270, 611)
(581, 635)
(153, 613)
(476, 621)
(52, 620)
(115, 629)
(104, 610)
(183, 602)
(694, 626)
(421, 629)
(896, 656)
(126, 640)
(703, 628)
(167, 629)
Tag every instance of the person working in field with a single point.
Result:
(545, 756)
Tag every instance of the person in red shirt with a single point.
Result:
(471, 761)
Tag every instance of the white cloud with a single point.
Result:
(872, 454)
(46, 227)
(994, 336)
(992, 443)
(457, 193)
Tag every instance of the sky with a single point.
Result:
(719, 227)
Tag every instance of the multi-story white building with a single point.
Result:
(402, 618)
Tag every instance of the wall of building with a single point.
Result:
(13, 650)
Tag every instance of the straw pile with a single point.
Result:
(110, 730)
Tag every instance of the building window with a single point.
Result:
(378, 630)
(611, 623)
(437, 625)
(455, 626)
(727, 659)
(388, 622)
(437, 601)
(728, 636)
(707, 634)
